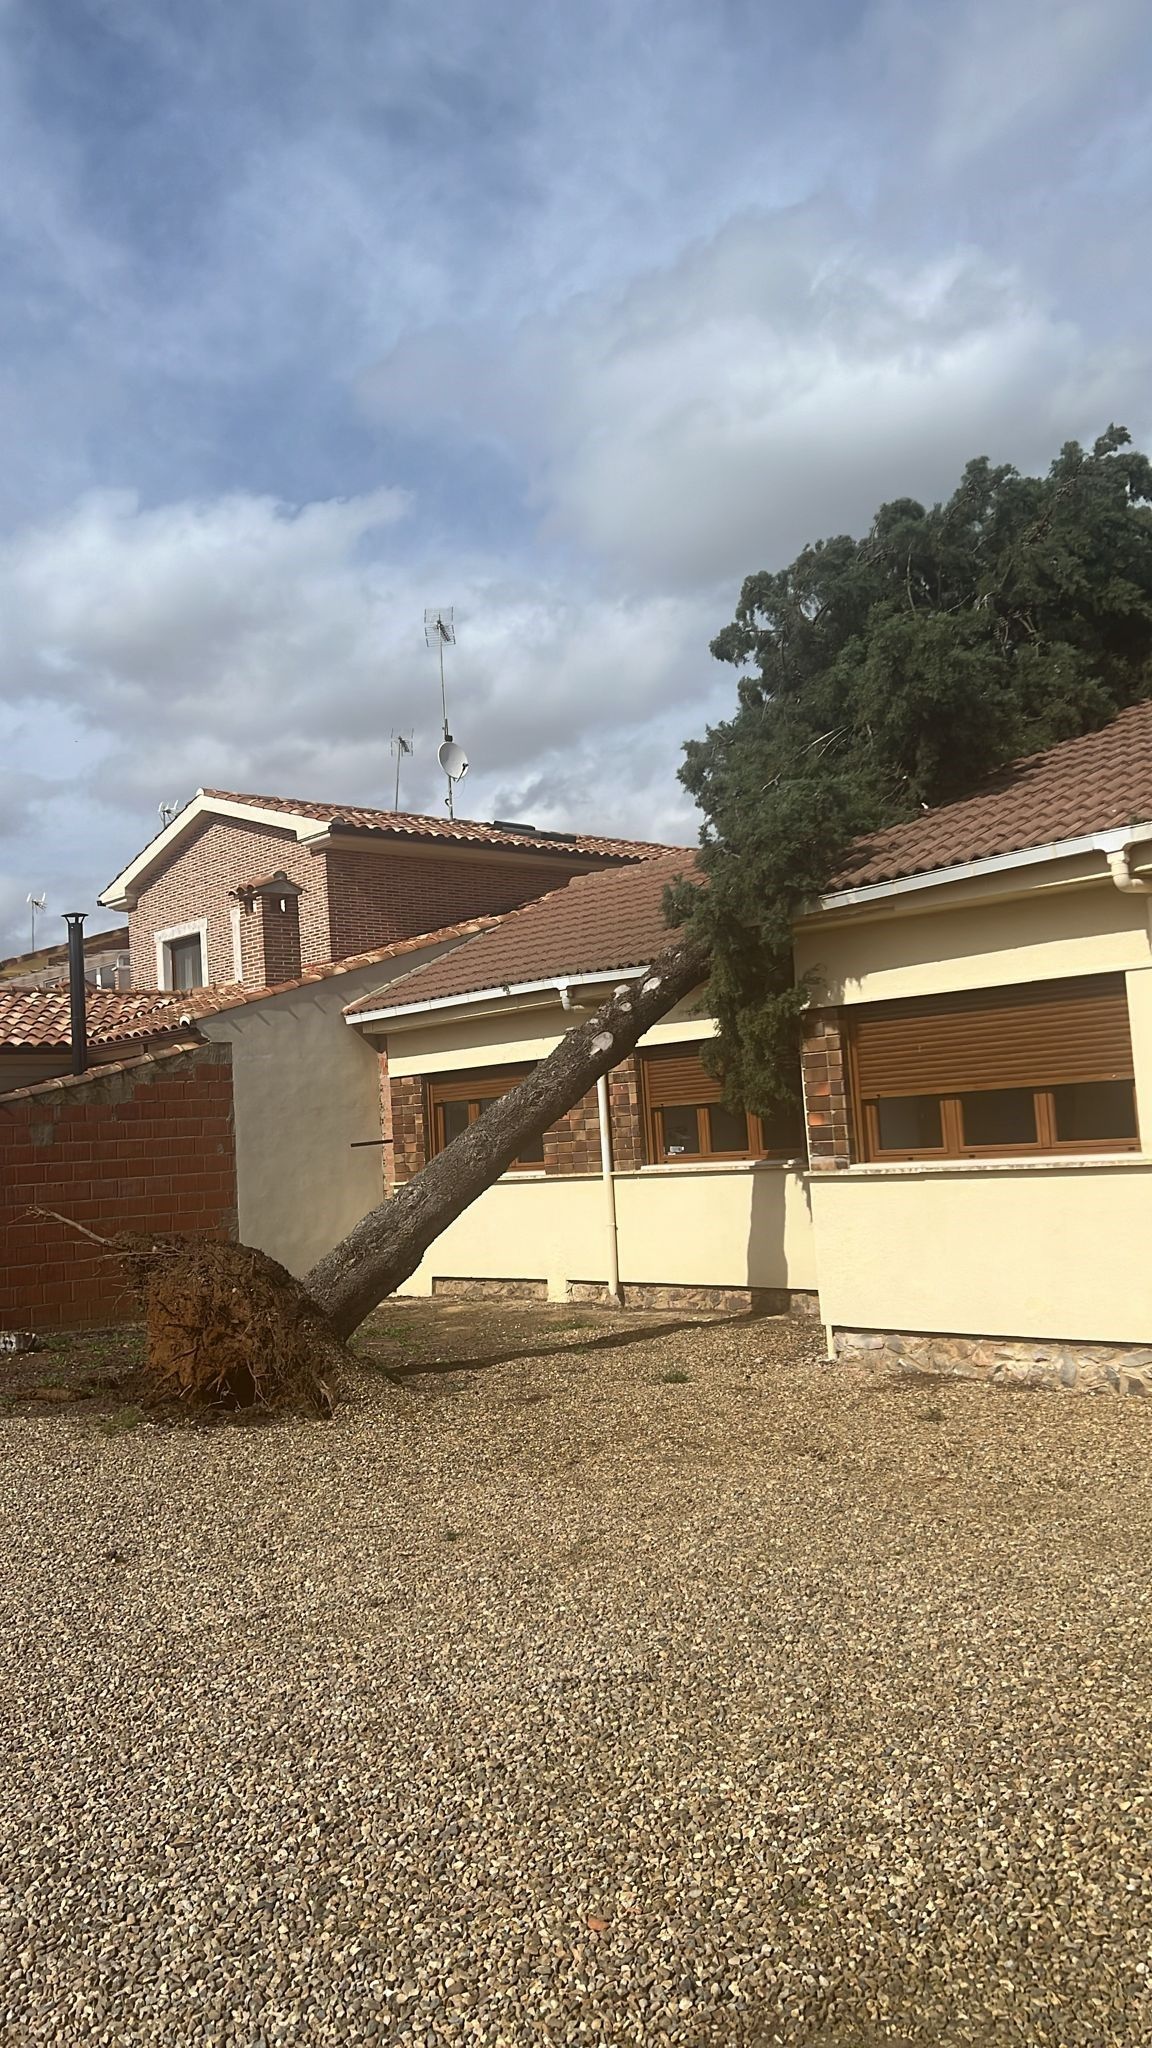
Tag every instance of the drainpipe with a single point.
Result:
(604, 1119)
(1120, 869)
(78, 995)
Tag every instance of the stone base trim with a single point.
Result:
(490, 1290)
(757, 1301)
(1055, 1365)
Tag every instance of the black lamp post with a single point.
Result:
(77, 990)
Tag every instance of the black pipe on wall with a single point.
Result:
(77, 989)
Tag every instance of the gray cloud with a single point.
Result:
(317, 316)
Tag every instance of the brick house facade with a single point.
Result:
(345, 888)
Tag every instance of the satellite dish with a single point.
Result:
(452, 759)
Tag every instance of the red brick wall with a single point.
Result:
(349, 902)
(144, 1146)
(827, 1107)
(409, 1143)
(380, 895)
(629, 1151)
(196, 879)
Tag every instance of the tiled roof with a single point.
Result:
(414, 825)
(1098, 783)
(40, 1018)
(205, 1002)
(597, 923)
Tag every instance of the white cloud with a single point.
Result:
(776, 383)
(248, 644)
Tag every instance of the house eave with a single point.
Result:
(1108, 842)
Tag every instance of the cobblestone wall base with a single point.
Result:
(1052, 1366)
(761, 1301)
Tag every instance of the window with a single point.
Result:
(1047, 1068)
(458, 1099)
(185, 962)
(686, 1119)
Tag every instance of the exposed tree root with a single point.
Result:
(230, 1329)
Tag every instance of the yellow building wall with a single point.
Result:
(982, 944)
(717, 1227)
(1051, 1249)
(996, 1251)
(512, 1034)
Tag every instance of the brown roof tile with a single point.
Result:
(232, 995)
(414, 825)
(597, 923)
(1098, 783)
(41, 1017)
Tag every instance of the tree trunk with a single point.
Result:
(388, 1245)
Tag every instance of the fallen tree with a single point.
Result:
(388, 1245)
(229, 1328)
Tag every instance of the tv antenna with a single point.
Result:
(399, 745)
(36, 903)
(167, 813)
(440, 632)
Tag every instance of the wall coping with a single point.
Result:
(102, 1070)
(950, 1169)
(695, 1168)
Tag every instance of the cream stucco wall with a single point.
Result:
(712, 1227)
(305, 1088)
(988, 1251)
(927, 948)
(528, 1028)
(991, 1248)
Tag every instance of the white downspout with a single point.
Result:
(604, 1119)
(1120, 869)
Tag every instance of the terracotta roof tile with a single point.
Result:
(415, 825)
(205, 1002)
(1098, 783)
(600, 922)
(41, 1017)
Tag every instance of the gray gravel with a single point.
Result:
(557, 1702)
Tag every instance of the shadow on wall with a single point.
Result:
(780, 1249)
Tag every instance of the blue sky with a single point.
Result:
(316, 312)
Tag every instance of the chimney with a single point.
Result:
(77, 989)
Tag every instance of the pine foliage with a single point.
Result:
(896, 671)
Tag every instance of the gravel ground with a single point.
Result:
(620, 1681)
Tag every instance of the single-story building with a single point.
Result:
(975, 1178)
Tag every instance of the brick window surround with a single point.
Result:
(824, 1065)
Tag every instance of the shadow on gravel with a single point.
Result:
(608, 1340)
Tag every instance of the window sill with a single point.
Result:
(1051, 1162)
(674, 1166)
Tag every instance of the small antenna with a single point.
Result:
(37, 903)
(167, 813)
(399, 745)
(440, 632)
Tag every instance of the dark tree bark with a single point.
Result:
(388, 1245)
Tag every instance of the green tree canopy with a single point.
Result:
(883, 674)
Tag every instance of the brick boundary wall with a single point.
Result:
(824, 1066)
(145, 1144)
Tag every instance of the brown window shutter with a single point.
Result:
(674, 1074)
(1039, 1036)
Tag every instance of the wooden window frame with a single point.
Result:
(486, 1085)
(1046, 1144)
(705, 1154)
